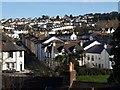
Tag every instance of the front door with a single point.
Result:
(20, 67)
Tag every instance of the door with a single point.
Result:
(20, 67)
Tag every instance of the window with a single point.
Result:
(96, 57)
(102, 66)
(99, 66)
(74, 51)
(63, 51)
(99, 57)
(13, 65)
(11, 54)
(92, 58)
(20, 53)
(7, 65)
(88, 57)
(96, 65)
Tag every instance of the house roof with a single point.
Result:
(68, 47)
(7, 45)
(95, 49)
(87, 43)
(53, 39)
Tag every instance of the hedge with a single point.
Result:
(92, 71)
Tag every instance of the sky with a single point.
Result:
(60, 0)
(37, 9)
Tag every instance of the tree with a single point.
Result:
(71, 16)
(45, 17)
(57, 18)
(62, 61)
(116, 52)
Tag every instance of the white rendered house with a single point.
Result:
(12, 56)
(13, 60)
(73, 36)
(98, 57)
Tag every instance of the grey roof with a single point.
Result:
(95, 49)
(7, 45)
(87, 43)
(68, 47)
(10, 47)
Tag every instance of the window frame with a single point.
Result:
(20, 54)
(10, 54)
(8, 65)
(92, 58)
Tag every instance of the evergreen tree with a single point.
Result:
(115, 77)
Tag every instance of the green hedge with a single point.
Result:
(92, 71)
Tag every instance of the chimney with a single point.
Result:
(105, 46)
(81, 43)
(54, 44)
(70, 74)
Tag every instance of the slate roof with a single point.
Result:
(87, 43)
(68, 47)
(7, 45)
(95, 49)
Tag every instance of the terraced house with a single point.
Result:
(12, 56)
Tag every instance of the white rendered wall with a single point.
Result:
(17, 60)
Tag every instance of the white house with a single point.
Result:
(63, 28)
(110, 31)
(73, 36)
(12, 56)
(97, 57)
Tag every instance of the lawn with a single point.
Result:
(93, 78)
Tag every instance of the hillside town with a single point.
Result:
(86, 39)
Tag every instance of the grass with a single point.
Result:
(93, 78)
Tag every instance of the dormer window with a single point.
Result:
(63, 50)
(74, 51)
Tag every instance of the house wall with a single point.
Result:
(17, 60)
(40, 52)
(99, 61)
(35, 48)
(95, 62)
(106, 59)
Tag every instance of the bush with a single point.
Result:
(93, 71)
